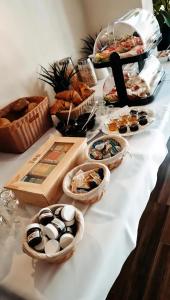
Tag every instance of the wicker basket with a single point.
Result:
(95, 194)
(80, 109)
(22, 133)
(114, 161)
(66, 253)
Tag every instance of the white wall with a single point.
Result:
(38, 32)
(101, 12)
(33, 33)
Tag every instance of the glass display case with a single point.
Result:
(135, 33)
(130, 41)
(139, 85)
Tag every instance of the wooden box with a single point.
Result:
(39, 181)
(23, 132)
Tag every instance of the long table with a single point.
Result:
(111, 225)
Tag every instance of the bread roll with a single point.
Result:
(70, 96)
(59, 105)
(19, 105)
(31, 106)
(4, 122)
(83, 89)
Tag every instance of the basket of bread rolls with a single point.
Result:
(71, 95)
(22, 122)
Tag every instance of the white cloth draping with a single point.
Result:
(111, 225)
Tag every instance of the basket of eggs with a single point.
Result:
(22, 122)
(72, 97)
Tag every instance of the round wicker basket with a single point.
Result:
(95, 194)
(114, 161)
(64, 254)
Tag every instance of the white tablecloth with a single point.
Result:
(110, 225)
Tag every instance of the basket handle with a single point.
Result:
(33, 118)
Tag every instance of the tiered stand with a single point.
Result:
(116, 63)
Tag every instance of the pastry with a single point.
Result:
(60, 105)
(83, 89)
(31, 106)
(70, 96)
(19, 105)
(131, 45)
(4, 122)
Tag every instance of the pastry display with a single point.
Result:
(60, 105)
(51, 233)
(131, 35)
(127, 46)
(82, 88)
(139, 85)
(78, 127)
(85, 181)
(68, 89)
(76, 95)
(128, 121)
(103, 149)
(70, 96)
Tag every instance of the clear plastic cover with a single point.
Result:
(130, 35)
(138, 85)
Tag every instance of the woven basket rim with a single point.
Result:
(66, 250)
(80, 105)
(124, 145)
(91, 193)
(44, 98)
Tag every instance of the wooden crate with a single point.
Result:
(33, 184)
(22, 133)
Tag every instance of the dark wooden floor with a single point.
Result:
(146, 273)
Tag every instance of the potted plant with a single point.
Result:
(162, 13)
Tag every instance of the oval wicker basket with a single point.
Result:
(80, 109)
(114, 161)
(95, 194)
(64, 254)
